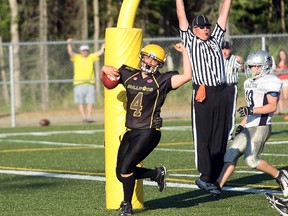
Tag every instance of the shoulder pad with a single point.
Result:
(126, 67)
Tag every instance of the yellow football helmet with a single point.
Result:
(153, 51)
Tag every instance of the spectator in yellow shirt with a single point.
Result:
(84, 78)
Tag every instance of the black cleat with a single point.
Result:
(160, 178)
(125, 209)
(212, 188)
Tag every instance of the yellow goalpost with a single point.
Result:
(122, 46)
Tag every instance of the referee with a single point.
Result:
(209, 102)
(232, 65)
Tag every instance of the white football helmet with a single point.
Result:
(260, 58)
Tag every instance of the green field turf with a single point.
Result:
(59, 170)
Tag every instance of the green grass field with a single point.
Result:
(59, 170)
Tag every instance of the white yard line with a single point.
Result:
(103, 179)
(47, 133)
(102, 146)
(49, 143)
(196, 176)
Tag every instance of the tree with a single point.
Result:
(5, 92)
(109, 13)
(156, 18)
(283, 25)
(15, 40)
(84, 22)
(96, 45)
(43, 63)
(5, 20)
(4, 26)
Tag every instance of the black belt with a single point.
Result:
(211, 88)
(231, 84)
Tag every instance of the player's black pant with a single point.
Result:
(135, 146)
(210, 131)
(232, 91)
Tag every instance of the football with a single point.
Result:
(110, 82)
(44, 122)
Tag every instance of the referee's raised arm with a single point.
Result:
(224, 13)
(180, 10)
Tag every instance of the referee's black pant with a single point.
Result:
(232, 91)
(210, 131)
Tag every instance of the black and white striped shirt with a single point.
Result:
(206, 57)
(232, 67)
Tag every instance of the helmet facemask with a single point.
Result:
(258, 64)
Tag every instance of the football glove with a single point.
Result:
(238, 130)
(245, 111)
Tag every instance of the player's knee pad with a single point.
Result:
(251, 161)
(232, 155)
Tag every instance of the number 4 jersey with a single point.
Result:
(145, 96)
(256, 92)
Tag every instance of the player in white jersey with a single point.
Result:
(262, 91)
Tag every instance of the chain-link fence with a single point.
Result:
(37, 79)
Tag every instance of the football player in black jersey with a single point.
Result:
(146, 90)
